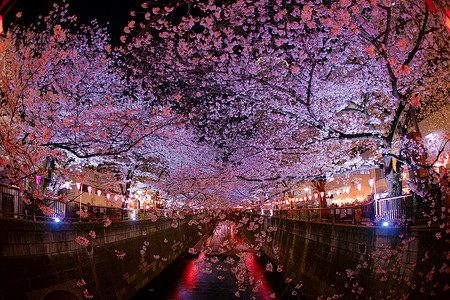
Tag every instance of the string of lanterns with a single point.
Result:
(109, 196)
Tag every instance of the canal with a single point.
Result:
(221, 266)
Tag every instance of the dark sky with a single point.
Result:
(116, 12)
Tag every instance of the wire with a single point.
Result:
(8, 8)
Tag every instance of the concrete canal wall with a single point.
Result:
(41, 260)
(318, 255)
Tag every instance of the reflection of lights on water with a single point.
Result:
(191, 273)
(257, 272)
(208, 270)
(190, 277)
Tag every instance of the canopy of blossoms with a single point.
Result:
(223, 102)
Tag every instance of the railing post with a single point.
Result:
(353, 215)
(375, 203)
(34, 209)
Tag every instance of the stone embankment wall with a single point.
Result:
(41, 260)
(347, 259)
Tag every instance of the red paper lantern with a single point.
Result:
(447, 20)
(431, 6)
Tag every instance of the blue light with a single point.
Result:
(57, 220)
(134, 219)
(385, 223)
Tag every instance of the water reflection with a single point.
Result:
(224, 268)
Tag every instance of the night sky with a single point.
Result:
(116, 12)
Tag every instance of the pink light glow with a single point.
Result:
(78, 186)
(89, 189)
(38, 179)
(258, 273)
(190, 277)
(99, 192)
(193, 278)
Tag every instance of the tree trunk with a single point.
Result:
(398, 179)
(389, 174)
(319, 185)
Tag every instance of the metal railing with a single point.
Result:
(13, 206)
(392, 209)
(11, 202)
(345, 214)
(400, 207)
(403, 207)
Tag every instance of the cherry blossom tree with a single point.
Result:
(278, 92)
(218, 104)
(67, 103)
(309, 87)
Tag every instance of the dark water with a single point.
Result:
(214, 273)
